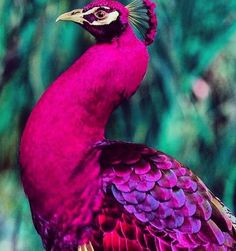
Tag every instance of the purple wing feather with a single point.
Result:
(166, 198)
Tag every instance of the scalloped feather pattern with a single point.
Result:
(155, 203)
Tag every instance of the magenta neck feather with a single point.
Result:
(72, 114)
(82, 98)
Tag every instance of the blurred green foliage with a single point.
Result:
(185, 107)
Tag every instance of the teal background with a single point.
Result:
(185, 107)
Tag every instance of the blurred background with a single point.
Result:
(185, 107)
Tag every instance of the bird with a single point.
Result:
(90, 193)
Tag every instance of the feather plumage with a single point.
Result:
(111, 195)
(161, 197)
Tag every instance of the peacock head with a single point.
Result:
(107, 19)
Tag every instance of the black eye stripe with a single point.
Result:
(90, 18)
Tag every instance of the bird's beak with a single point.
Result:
(74, 15)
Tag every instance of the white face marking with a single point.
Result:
(105, 20)
(90, 11)
(102, 17)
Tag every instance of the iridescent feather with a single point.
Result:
(142, 17)
(160, 198)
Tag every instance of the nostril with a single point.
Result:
(75, 12)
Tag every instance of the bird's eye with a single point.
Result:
(100, 14)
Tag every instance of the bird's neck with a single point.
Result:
(72, 115)
(82, 98)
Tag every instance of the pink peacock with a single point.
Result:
(89, 193)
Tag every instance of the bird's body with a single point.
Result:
(88, 193)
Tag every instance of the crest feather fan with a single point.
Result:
(143, 18)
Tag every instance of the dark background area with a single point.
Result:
(185, 107)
